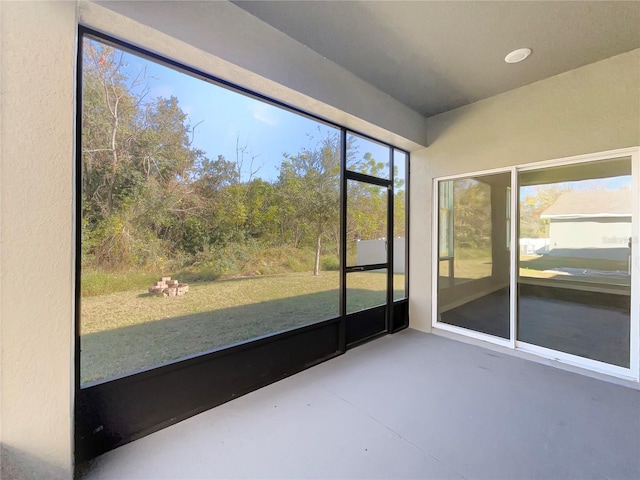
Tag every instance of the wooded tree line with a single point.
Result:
(151, 198)
(472, 212)
(472, 215)
(534, 205)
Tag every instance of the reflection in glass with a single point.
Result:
(366, 290)
(368, 157)
(574, 278)
(399, 224)
(367, 207)
(399, 288)
(188, 180)
(474, 262)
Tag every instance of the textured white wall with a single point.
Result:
(591, 109)
(36, 305)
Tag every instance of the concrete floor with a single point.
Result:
(410, 405)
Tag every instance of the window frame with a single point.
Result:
(116, 411)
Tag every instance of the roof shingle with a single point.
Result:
(598, 203)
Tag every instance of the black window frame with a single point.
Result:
(117, 411)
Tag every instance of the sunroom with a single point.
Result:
(360, 196)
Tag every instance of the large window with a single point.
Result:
(211, 218)
(185, 179)
(225, 241)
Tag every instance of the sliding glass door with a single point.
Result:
(474, 253)
(574, 268)
(543, 258)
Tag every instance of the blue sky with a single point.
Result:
(224, 119)
(611, 183)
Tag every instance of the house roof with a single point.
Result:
(600, 203)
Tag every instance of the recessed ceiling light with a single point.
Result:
(518, 55)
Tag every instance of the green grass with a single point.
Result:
(476, 265)
(473, 268)
(549, 262)
(259, 261)
(98, 282)
(469, 264)
(127, 330)
(541, 267)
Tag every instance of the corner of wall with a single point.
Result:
(420, 244)
(37, 55)
(590, 109)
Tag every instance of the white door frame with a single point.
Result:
(631, 373)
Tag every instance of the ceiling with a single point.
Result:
(437, 56)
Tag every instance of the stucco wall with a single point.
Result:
(36, 305)
(591, 109)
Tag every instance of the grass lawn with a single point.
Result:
(469, 264)
(541, 266)
(129, 330)
(473, 268)
(467, 269)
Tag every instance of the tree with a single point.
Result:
(138, 165)
(108, 124)
(472, 214)
(310, 181)
(367, 207)
(534, 204)
(367, 204)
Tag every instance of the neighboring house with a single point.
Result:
(590, 224)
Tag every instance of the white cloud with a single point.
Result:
(264, 113)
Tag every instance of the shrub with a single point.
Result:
(330, 263)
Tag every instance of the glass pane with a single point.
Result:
(399, 286)
(366, 290)
(187, 183)
(399, 224)
(367, 207)
(445, 219)
(574, 279)
(368, 157)
(474, 261)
